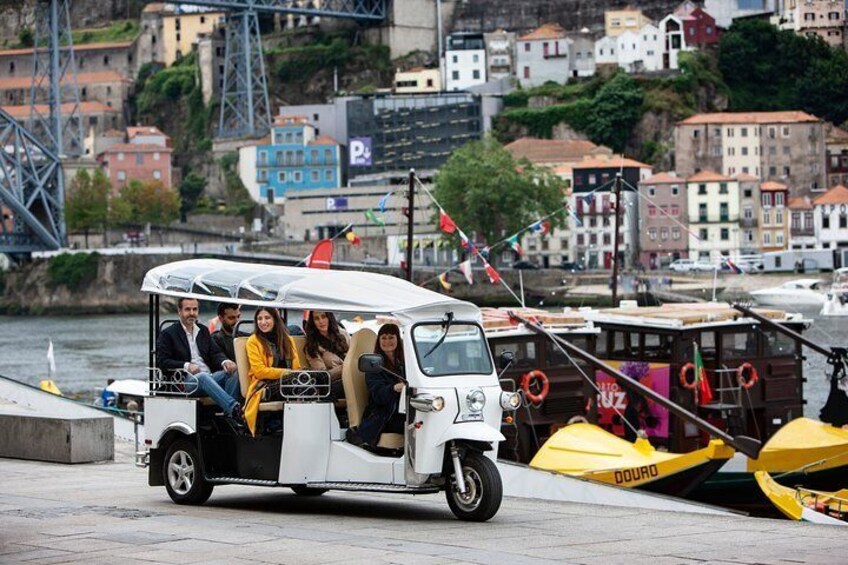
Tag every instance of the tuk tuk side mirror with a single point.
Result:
(370, 363)
(505, 359)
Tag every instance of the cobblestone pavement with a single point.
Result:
(106, 513)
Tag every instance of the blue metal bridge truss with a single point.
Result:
(31, 179)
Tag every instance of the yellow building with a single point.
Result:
(774, 216)
(631, 19)
(418, 80)
(180, 31)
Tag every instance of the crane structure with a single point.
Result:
(31, 179)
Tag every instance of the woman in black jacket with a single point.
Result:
(381, 415)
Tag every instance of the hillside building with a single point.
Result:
(418, 81)
(542, 56)
(662, 221)
(815, 18)
(699, 27)
(627, 19)
(786, 147)
(713, 210)
(465, 61)
(802, 227)
(725, 11)
(172, 31)
(831, 217)
(500, 54)
(774, 216)
(144, 154)
(837, 155)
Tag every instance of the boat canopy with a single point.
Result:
(300, 288)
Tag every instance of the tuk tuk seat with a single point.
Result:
(356, 392)
(240, 345)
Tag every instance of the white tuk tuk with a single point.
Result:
(452, 401)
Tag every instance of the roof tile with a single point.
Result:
(750, 118)
(836, 195)
(708, 176)
(546, 151)
(545, 31)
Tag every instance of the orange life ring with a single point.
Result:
(747, 375)
(684, 376)
(528, 378)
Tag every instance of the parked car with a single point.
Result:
(571, 266)
(525, 265)
(705, 266)
(682, 265)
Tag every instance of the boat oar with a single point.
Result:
(744, 444)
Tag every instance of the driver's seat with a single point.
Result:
(356, 392)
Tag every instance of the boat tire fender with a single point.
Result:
(528, 378)
(688, 380)
(747, 375)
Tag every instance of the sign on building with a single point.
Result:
(360, 152)
(336, 204)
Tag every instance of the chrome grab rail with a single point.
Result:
(305, 386)
(171, 384)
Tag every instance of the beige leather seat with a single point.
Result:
(240, 344)
(356, 392)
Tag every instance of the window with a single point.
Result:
(139, 158)
(475, 58)
(157, 175)
(702, 212)
(475, 74)
(716, 151)
(263, 176)
(723, 212)
(526, 47)
(315, 176)
(778, 238)
(120, 156)
(778, 199)
(843, 221)
(725, 234)
(281, 176)
(766, 217)
(702, 189)
(455, 75)
(663, 234)
(156, 155)
(772, 171)
(652, 234)
(808, 220)
(675, 210)
(749, 236)
(784, 131)
(747, 193)
(722, 188)
(675, 190)
(748, 213)
(731, 151)
(455, 58)
(825, 220)
(766, 199)
(675, 233)
(652, 211)
(743, 132)
(122, 175)
(652, 191)
(328, 175)
(526, 72)
(545, 49)
(297, 176)
(703, 234)
(766, 238)
(786, 171)
(745, 151)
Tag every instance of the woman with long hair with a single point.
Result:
(272, 354)
(326, 346)
(384, 388)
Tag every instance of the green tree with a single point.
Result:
(142, 202)
(191, 188)
(87, 202)
(26, 37)
(486, 191)
(614, 111)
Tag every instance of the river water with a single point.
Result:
(90, 349)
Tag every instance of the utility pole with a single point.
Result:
(617, 237)
(410, 223)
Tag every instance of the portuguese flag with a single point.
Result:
(702, 388)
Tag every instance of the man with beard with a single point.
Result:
(228, 317)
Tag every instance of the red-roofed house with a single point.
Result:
(542, 55)
(786, 147)
(837, 155)
(556, 152)
(124, 162)
(713, 208)
(662, 220)
(699, 27)
(831, 215)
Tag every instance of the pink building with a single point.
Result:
(124, 162)
(662, 220)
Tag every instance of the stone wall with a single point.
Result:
(15, 15)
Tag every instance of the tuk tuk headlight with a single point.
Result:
(510, 400)
(427, 403)
(476, 401)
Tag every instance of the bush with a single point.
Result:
(73, 270)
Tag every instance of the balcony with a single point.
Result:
(749, 222)
(802, 232)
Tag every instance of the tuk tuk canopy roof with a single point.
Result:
(301, 288)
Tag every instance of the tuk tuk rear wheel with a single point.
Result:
(183, 474)
(483, 489)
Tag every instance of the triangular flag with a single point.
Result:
(383, 202)
(445, 223)
(513, 243)
(485, 252)
(443, 280)
(353, 238)
(373, 218)
(465, 269)
(733, 266)
(494, 277)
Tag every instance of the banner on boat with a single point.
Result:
(615, 400)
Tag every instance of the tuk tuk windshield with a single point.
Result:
(462, 350)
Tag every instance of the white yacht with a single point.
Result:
(836, 300)
(797, 293)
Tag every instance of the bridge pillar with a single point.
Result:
(55, 115)
(245, 110)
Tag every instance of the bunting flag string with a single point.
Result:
(374, 218)
(661, 211)
(353, 238)
(513, 243)
(443, 280)
(383, 201)
(446, 224)
(465, 269)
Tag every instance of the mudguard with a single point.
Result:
(474, 431)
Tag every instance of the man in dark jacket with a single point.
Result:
(187, 346)
(228, 316)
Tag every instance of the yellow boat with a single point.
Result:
(803, 451)
(805, 504)
(47, 385)
(585, 450)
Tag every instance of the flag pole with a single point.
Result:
(521, 286)
(410, 215)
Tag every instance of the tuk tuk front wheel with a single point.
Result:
(303, 490)
(483, 489)
(183, 474)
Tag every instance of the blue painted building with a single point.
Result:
(295, 157)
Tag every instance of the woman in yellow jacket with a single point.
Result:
(272, 354)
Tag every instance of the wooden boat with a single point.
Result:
(804, 504)
(585, 450)
(804, 451)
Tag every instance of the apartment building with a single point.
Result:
(802, 226)
(627, 19)
(815, 18)
(465, 61)
(699, 27)
(542, 56)
(831, 218)
(713, 209)
(662, 220)
(500, 54)
(171, 31)
(142, 153)
(774, 216)
(417, 81)
(786, 147)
